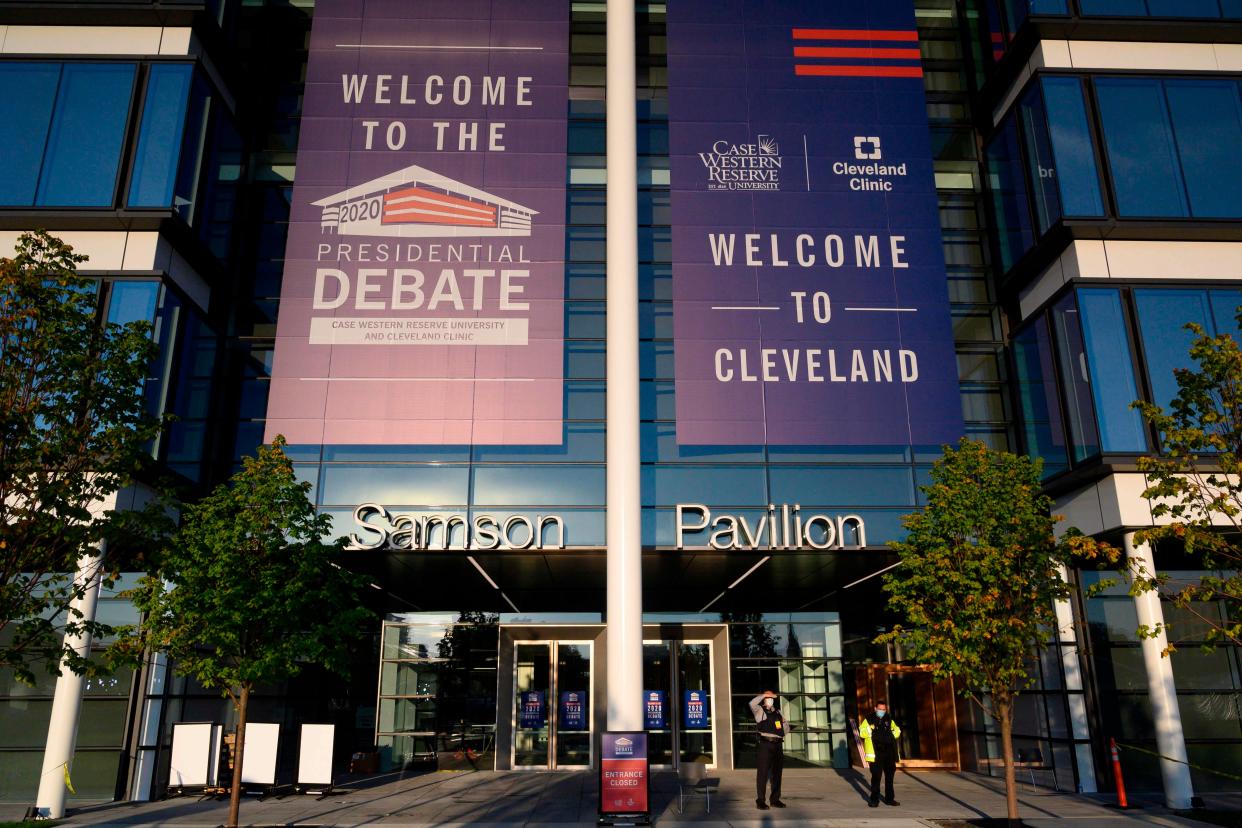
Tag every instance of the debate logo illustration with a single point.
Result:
(415, 202)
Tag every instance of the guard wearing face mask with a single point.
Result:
(880, 734)
(772, 727)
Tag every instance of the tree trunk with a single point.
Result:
(239, 745)
(1003, 704)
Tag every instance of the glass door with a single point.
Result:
(657, 695)
(532, 682)
(552, 716)
(695, 722)
(573, 709)
(677, 702)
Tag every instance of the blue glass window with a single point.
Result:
(1074, 169)
(1037, 393)
(1163, 315)
(1007, 184)
(1019, 10)
(1111, 370)
(1207, 122)
(133, 301)
(1183, 8)
(27, 93)
(1158, 8)
(1113, 8)
(1225, 306)
(84, 144)
(1171, 146)
(160, 136)
(1039, 161)
(1075, 378)
(1141, 147)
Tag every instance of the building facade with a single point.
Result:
(1082, 207)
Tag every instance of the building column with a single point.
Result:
(1161, 688)
(62, 729)
(624, 515)
(1080, 730)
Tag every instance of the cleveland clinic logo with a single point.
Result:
(865, 172)
(867, 148)
(416, 202)
(754, 166)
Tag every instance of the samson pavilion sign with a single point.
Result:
(781, 526)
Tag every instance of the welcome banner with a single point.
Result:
(810, 299)
(424, 276)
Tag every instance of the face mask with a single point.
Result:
(768, 704)
(879, 714)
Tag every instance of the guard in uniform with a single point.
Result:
(880, 734)
(771, 726)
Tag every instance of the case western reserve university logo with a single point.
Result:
(754, 166)
(416, 202)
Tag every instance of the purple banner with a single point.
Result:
(424, 271)
(810, 299)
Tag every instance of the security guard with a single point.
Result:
(771, 725)
(880, 734)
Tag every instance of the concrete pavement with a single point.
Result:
(820, 798)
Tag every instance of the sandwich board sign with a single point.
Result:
(624, 778)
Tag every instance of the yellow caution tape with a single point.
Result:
(68, 781)
(1179, 761)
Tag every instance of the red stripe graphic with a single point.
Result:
(855, 52)
(854, 34)
(407, 207)
(860, 71)
(435, 218)
(914, 69)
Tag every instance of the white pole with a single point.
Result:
(62, 729)
(625, 543)
(1170, 741)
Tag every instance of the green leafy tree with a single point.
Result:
(981, 572)
(1195, 486)
(249, 590)
(74, 431)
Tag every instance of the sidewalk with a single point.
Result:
(826, 799)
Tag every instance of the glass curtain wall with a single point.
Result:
(798, 656)
(1209, 686)
(25, 711)
(1080, 364)
(437, 692)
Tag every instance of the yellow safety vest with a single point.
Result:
(864, 730)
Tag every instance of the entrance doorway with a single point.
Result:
(925, 709)
(552, 692)
(679, 726)
(552, 711)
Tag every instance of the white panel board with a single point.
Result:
(259, 757)
(315, 754)
(191, 762)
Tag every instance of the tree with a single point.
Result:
(74, 431)
(1195, 486)
(249, 590)
(981, 572)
